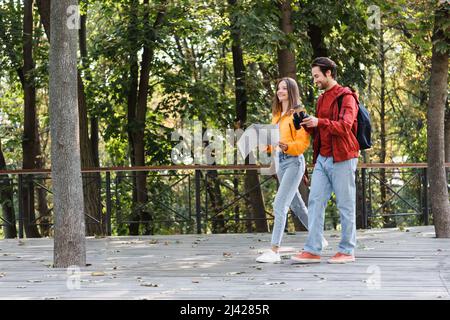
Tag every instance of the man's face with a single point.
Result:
(320, 80)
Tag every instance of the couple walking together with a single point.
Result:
(336, 151)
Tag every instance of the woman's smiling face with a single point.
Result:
(282, 91)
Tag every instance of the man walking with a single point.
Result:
(336, 152)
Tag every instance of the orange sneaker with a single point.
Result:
(306, 257)
(340, 258)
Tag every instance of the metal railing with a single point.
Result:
(185, 199)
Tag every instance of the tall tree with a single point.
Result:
(382, 154)
(91, 189)
(69, 239)
(137, 108)
(447, 136)
(30, 143)
(251, 182)
(440, 206)
(286, 57)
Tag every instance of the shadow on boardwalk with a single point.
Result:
(391, 264)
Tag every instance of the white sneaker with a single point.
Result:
(324, 243)
(269, 257)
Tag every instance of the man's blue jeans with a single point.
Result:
(337, 177)
(290, 172)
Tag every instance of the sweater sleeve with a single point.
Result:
(300, 144)
(347, 116)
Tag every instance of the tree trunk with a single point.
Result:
(251, 183)
(319, 48)
(218, 222)
(440, 206)
(447, 136)
(7, 202)
(30, 142)
(138, 134)
(69, 241)
(131, 106)
(90, 189)
(315, 34)
(137, 110)
(91, 183)
(383, 191)
(45, 218)
(286, 58)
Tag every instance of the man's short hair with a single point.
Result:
(325, 64)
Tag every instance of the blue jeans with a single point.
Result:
(290, 172)
(339, 177)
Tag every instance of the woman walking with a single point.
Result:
(291, 165)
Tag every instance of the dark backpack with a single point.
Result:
(364, 130)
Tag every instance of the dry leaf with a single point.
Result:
(274, 283)
(148, 284)
(98, 274)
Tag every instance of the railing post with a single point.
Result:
(365, 220)
(108, 203)
(198, 209)
(118, 208)
(425, 207)
(20, 195)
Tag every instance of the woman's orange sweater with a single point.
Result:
(296, 140)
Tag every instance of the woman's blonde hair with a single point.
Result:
(293, 96)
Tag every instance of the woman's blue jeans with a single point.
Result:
(290, 172)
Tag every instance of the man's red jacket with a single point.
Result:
(342, 127)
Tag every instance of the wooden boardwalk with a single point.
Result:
(391, 264)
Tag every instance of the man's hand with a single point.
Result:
(310, 122)
(283, 146)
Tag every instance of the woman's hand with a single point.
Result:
(283, 146)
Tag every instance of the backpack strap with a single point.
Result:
(339, 102)
(341, 98)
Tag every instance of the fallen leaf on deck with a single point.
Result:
(98, 274)
(274, 283)
(147, 284)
